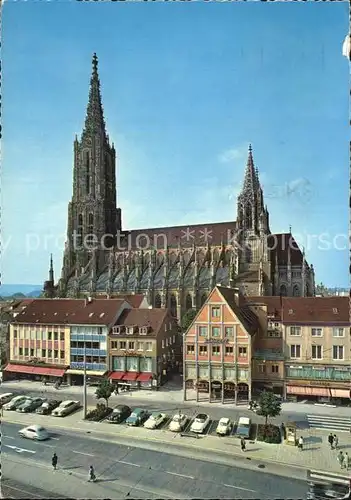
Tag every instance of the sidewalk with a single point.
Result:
(168, 394)
(316, 454)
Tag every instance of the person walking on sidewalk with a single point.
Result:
(345, 463)
(335, 442)
(54, 461)
(92, 476)
(300, 443)
(243, 444)
(340, 459)
(331, 440)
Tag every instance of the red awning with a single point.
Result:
(130, 376)
(116, 375)
(36, 370)
(144, 377)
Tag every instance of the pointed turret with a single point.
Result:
(94, 120)
(251, 178)
(51, 270)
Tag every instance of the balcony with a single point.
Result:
(75, 365)
(88, 352)
(87, 337)
(309, 373)
(269, 355)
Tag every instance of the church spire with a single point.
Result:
(94, 120)
(51, 270)
(251, 178)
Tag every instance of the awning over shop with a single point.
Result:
(130, 376)
(307, 391)
(340, 393)
(36, 370)
(144, 377)
(116, 375)
(90, 373)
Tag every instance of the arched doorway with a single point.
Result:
(296, 291)
(243, 392)
(216, 389)
(229, 390)
(188, 302)
(283, 291)
(158, 301)
(203, 386)
(203, 298)
(173, 305)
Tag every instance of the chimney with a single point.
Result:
(237, 296)
(88, 300)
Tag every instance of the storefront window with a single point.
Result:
(132, 364)
(118, 363)
(146, 364)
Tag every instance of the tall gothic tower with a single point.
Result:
(93, 218)
(252, 219)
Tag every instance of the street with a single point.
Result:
(139, 472)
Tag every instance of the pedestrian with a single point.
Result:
(335, 442)
(243, 444)
(345, 463)
(54, 461)
(331, 440)
(300, 443)
(340, 459)
(92, 476)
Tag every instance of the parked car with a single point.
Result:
(15, 403)
(200, 423)
(30, 405)
(243, 428)
(224, 426)
(119, 414)
(137, 417)
(65, 408)
(155, 420)
(36, 432)
(47, 407)
(5, 398)
(178, 422)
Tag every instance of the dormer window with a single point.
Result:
(130, 330)
(291, 311)
(143, 330)
(335, 310)
(116, 330)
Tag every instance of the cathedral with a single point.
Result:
(174, 267)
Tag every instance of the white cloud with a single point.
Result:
(233, 154)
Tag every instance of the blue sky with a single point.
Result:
(186, 87)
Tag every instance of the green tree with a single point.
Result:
(187, 319)
(104, 390)
(269, 405)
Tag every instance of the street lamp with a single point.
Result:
(85, 383)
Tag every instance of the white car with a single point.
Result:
(200, 423)
(15, 403)
(65, 408)
(178, 422)
(155, 420)
(6, 398)
(224, 426)
(34, 432)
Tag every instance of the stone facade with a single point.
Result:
(174, 267)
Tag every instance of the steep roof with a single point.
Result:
(278, 244)
(243, 312)
(274, 304)
(153, 318)
(134, 300)
(70, 311)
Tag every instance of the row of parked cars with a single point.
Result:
(178, 423)
(42, 406)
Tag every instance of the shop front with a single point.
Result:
(318, 391)
(36, 372)
(76, 376)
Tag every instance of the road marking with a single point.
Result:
(238, 488)
(179, 475)
(128, 463)
(56, 439)
(8, 437)
(19, 450)
(82, 453)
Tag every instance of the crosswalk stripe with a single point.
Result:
(329, 477)
(340, 424)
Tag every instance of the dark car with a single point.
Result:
(119, 414)
(30, 405)
(137, 417)
(47, 407)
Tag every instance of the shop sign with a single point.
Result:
(132, 353)
(216, 341)
(319, 383)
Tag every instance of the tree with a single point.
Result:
(104, 390)
(269, 405)
(187, 319)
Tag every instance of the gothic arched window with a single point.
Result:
(283, 292)
(80, 229)
(188, 302)
(87, 167)
(248, 216)
(307, 289)
(158, 302)
(296, 291)
(173, 305)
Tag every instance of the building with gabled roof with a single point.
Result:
(175, 267)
